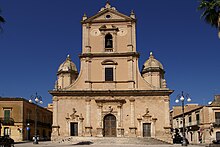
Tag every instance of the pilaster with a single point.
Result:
(55, 126)
(99, 120)
(129, 45)
(88, 128)
(132, 120)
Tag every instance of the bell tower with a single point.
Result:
(109, 40)
(109, 31)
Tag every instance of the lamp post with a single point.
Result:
(37, 99)
(182, 97)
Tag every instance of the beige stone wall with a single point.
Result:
(21, 112)
(44, 116)
(67, 104)
(16, 113)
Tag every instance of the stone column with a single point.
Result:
(87, 39)
(119, 115)
(167, 119)
(88, 127)
(153, 125)
(132, 119)
(62, 84)
(139, 127)
(130, 46)
(55, 126)
(81, 125)
(99, 120)
(120, 132)
(130, 73)
(167, 112)
(88, 75)
(132, 112)
(84, 38)
(114, 41)
(103, 40)
(134, 36)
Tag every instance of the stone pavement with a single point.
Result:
(89, 144)
(102, 142)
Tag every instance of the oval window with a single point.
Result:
(108, 16)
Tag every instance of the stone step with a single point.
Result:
(110, 140)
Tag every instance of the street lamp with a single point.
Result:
(182, 97)
(37, 99)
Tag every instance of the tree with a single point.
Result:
(211, 12)
(2, 20)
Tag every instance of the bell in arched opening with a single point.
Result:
(108, 41)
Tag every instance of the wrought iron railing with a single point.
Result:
(7, 121)
(40, 123)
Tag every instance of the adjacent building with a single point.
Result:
(109, 97)
(202, 122)
(17, 119)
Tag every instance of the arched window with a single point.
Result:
(108, 41)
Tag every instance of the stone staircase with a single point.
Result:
(110, 140)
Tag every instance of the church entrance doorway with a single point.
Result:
(73, 129)
(110, 126)
(146, 130)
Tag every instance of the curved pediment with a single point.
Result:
(109, 62)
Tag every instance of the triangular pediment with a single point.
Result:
(108, 15)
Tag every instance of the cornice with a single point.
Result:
(91, 55)
(111, 92)
(153, 69)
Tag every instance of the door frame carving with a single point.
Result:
(146, 118)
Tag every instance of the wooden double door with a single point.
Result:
(109, 126)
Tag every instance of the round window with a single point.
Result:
(108, 16)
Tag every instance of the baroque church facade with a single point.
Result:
(109, 97)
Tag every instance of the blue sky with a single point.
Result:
(39, 34)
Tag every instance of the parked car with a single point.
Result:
(6, 141)
(216, 141)
(179, 140)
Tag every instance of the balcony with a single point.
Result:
(189, 124)
(39, 123)
(193, 123)
(7, 121)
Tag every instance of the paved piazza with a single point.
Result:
(50, 144)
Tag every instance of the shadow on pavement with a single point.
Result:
(84, 143)
(22, 142)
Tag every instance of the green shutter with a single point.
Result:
(7, 114)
